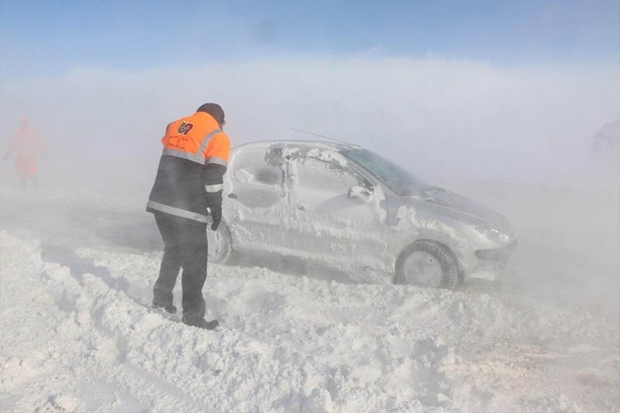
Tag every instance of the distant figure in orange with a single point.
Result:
(28, 147)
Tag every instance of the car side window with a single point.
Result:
(318, 175)
(257, 177)
(257, 166)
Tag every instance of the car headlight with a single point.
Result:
(493, 234)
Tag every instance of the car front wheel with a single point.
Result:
(220, 244)
(427, 263)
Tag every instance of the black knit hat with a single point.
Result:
(214, 110)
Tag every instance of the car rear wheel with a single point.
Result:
(220, 244)
(427, 263)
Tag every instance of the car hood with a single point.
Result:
(441, 201)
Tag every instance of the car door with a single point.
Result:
(256, 199)
(335, 212)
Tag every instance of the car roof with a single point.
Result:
(310, 144)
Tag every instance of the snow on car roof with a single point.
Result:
(337, 146)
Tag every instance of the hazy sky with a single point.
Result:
(509, 90)
(49, 37)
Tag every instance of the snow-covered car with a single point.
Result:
(346, 207)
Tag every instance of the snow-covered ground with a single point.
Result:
(78, 334)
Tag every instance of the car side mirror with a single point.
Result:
(360, 193)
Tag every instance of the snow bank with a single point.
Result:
(78, 335)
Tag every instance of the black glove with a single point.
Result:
(216, 215)
(214, 202)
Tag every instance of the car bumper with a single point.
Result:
(491, 263)
(501, 254)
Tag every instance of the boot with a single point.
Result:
(170, 308)
(202, 323)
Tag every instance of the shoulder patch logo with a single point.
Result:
(184, 128)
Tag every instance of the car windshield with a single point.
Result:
(398, 179)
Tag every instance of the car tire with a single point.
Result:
(220, 244)
(427, 263)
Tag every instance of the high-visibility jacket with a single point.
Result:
(191, 168)
(27, 144)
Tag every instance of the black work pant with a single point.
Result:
(186, 247)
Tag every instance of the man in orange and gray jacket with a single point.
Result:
(189, 180)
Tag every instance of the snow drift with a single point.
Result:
(78, 333)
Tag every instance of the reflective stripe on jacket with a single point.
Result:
(192, 164)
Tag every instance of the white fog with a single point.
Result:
(79, 255)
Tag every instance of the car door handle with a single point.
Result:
(301, 207)
(232, 195)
